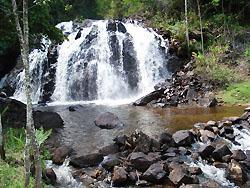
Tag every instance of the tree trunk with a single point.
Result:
(186, 22)
(2, 152)
(201, 28)
(31, 142)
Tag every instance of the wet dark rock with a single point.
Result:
(230, 137)
(141, 161)
(166, 138)
(111, 25)
(72, 108)
(15, 116)
(226, 130)
(110, 149)
(220, 165)
(183, 138)
(60, 154)
(207, 135)
(121, 140)
(88, 160)
(3, 94)
(79, 33)
(226, 158)
(168, 155)
(206, 150)
(179, 176)
(143, 143)
(154, 173)
(119, 176)
(220, 151)
(50, 176)
(121, 27)
(238, 155)
(148, 98)
(247, 109)
(236, 173)
(110, 162)
(107, 120)
(48, 120)
(195, 170)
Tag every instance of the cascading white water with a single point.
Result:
(37, 58)
(105, 63)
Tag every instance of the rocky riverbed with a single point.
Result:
(212, 154)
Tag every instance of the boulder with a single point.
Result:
(119, 176)
(238, 155)
(141, 142)
(236, 173)
(211, 183)
(220, 151)
(121, 28)
(110, 149)
(206, 150)
(148, 98)
(226, 130)
(183, 138)
(207, 135)
(179, 176)
(50, 176)
(154, 173)
(141, 161)
(247, 109)
(88, 160)
(166, 138)
(48, 120)
(110, 162)
(60, 154)
(107, 120)
(15, 116)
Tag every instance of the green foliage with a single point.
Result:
(237, 93)
(12, 176)
(247, 52)
(211, 65)
(42, 135)
(11, 173)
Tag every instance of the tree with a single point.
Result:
(186, 22)
(201, 28)
(31, 145)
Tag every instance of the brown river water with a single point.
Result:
(81, 133)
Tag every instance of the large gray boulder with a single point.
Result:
(107, 120)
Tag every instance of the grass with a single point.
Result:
(12, 169)
(238, 93)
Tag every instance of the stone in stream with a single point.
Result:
(107, 120)
(60, 154)
(206, 150)
(154, 173)
(15, 116)
(148, 98)
(49, 176)
(179, 176)
(119, 176)
(141, 161)
(247, 109)
(239, 155)
(166, 138)
(226, 130)
(183, 138)
(88, 160)
(236, 173)
(140, 142)
(110, 162)
(221, 151)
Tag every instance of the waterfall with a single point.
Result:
(101, 61)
